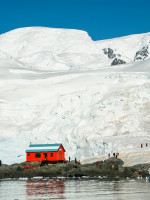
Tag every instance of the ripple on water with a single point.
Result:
(80, 189)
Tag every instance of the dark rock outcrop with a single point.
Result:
(113, 160)
(117, 61)
(109, 52)
(31, 164)
(141, 169)
(141, 54)
(110, 169)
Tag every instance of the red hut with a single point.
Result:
(49, 152)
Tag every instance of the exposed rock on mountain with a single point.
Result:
(109, 52)
(117, 61)
(142, 54)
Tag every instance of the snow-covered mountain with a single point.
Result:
(47, 49)
(58, 85)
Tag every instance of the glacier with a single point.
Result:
(59, 86)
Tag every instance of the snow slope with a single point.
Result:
(57, 85)
(127, 47)
(48, 49)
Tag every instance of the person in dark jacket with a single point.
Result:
(146, 144)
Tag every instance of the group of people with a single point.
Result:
(115, 155)
(145, 145)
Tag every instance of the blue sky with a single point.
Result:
(102, 19)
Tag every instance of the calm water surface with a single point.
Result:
(74, 189)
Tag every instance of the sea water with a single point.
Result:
(77, 189)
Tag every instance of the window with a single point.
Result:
(51, 154)
(28, 154)
(37, 155)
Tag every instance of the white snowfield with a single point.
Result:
(58, 86)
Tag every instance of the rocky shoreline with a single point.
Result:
(110, 169)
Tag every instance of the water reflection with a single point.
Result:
(74, 189)
(49, 189)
